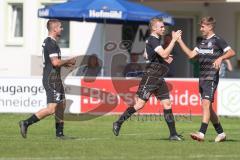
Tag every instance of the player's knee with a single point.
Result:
(166, 104)
(139, 104)
(206, 103)
(138, 107)
(51, 109)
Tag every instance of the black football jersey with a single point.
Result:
(208, 51)
(152, 45)
(50, 49)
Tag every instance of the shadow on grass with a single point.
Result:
(64, 138)
(80, 117)
(227, 141)
(158, 139)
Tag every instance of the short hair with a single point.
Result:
(153, 21)
(208, 21)
(51, 23)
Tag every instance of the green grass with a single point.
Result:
(139, 140)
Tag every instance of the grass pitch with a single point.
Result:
(140, 139)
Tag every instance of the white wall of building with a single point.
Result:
(16, 58)
(87, 38)
(1, 28)
(11, 56)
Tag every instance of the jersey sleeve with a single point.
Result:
(154, 42)
(51, 50)
(196, 49)
(223, 45)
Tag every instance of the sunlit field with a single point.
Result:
(140, 138)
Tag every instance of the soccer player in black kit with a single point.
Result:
(153, 79)
(51, 81)
(210, 53)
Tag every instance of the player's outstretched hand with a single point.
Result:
(176, 35)
(179, 39)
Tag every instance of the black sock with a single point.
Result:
(169, 118)
(31, 120)
(59, 128)
(203, 128)
(218, 128)
(129, 111)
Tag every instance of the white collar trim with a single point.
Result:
(211, 36)
(154, 35)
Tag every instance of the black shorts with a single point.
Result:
(207, 89)
(54, 91)
(152, 85)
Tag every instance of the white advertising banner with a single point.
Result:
(27, 95)
(229, 97)
(22, 95)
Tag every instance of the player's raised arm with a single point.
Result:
(164, 53)
(186, 50)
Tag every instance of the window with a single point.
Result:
(64, 40)
(15, 23)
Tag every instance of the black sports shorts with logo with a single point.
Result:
(54, 90)
(207, 89)
(153, 83)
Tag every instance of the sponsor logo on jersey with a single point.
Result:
(205, 51)
(209, 44)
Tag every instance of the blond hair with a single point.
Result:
(153, 21)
